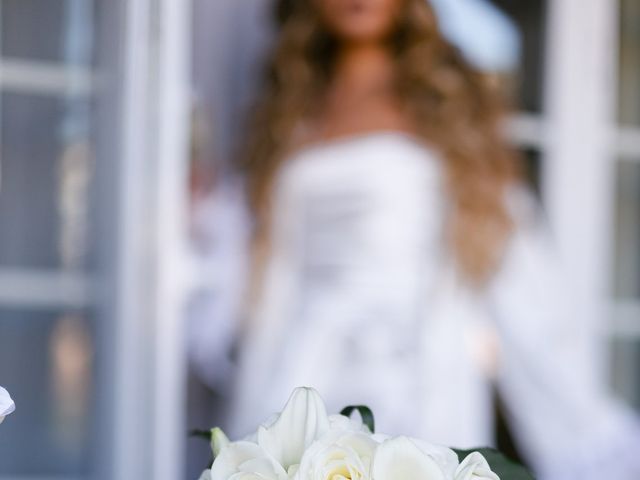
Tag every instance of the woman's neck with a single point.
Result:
(360, 96)
(363, 67)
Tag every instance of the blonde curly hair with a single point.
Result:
(452, 106)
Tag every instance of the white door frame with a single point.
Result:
(578, 181)
(149, 385)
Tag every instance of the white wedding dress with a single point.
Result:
(360, 300)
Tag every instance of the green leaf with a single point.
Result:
(364, 411)
(503, 466)
(205, 434)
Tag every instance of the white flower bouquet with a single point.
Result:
(303, 442)
(6, 404)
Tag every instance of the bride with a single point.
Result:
(400, 261)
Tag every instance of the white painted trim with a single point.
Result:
(22, 288)
(150, 386)
(132, 440)
(173, 149)
(578, 180)
(45, 78)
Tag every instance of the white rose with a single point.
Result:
(249, 476)
(339, 455)
(245, 458)
(339, 423)
(402, 458)
(475, 467)
(6, 404)
(206, 475)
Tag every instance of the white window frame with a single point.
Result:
(585, 144)
(581, 143)
(144, 371)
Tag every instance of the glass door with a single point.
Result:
(49, 350)
(94, 118)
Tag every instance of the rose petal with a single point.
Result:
(6, 404)
(401, 459)
(248, 476)
(354, 424)
(338, 453)
(206, 475)
(475, 467)
(264, 467)
(234, 456)
(446, 458)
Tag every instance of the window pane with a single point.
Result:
(532, 169)
(625, 361)
(46, 169)
(52, 386)
(627, 243)
(527, 79)
(629, 100)
(504, 38)
(51, 30)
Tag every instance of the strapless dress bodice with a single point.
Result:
(359, 159)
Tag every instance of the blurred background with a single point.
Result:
(122, 229)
